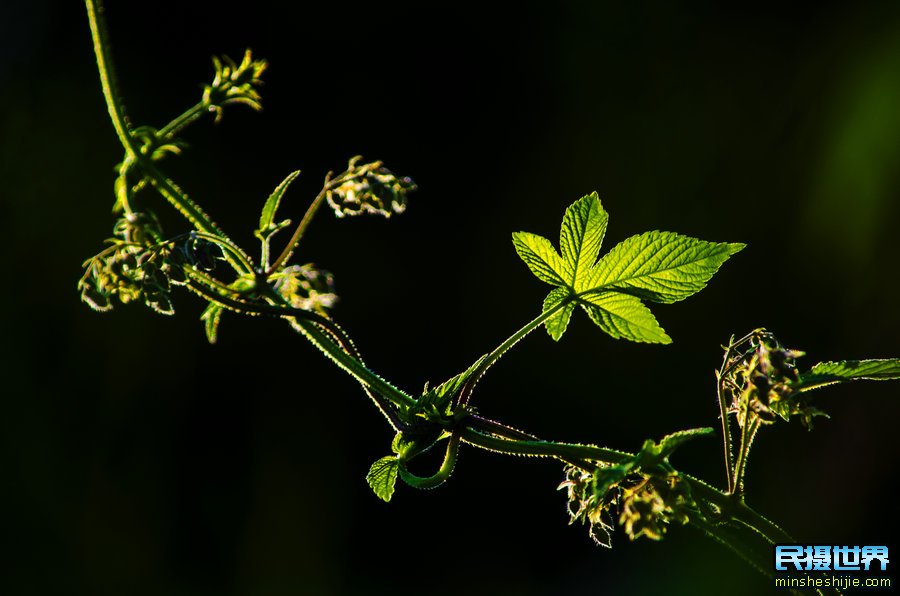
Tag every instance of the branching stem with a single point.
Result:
(731, 518)
(301, 227)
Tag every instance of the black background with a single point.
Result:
(137, 459)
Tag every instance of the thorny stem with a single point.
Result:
(728, 509)
(748, 433)
(726, 433)
(723, 416)
(114, 104)
(116, 110)
(466, 391)
(310, 324)
(331, 340)
(346, 344)
(383, 405)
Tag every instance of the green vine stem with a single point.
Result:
(301, 227)
(726, 429)
(195, 112)
(441, 475)
(466, 391)
(114, 105)
(722, 515)
(310, 324)
(116, 108)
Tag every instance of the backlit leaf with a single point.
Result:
(211, 317)
(828, 373)
(382, 477)
(556, 325)
(624, 316)
(540, 256)
(267, 217)
(658, 266)
(583, 228)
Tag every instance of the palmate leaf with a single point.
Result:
(656, 266)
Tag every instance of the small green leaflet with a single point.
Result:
(656, 266)
(651, 454)
(621, 315)
(382, 476)
(440, 396)
(828, 373)
(557, 324)
(211, 317)
(267, 225)
(670, 443)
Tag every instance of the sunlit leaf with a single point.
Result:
(382, 477)
(829, 373)
(624, 316)
(267, 217)
(658, 266)
(557, 324)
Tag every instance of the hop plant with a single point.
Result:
(585, 505)
(234, 83)
(369, 189)
(653, 504)
(128, 273)
(642, 491)
(306, 287)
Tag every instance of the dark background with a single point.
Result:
(137, 459)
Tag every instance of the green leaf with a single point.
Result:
(444, 393)
(605, 478)
(624, 316)
(658, 266)
(267, 217)
(556, 325)
(581, 235)
(829, 373)
(401, 443)
(540, 256)
(382, 477)
(211, 317)
(670, 443)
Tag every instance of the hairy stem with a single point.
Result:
(354, 367)
(726, 431)
(467, 388)
(114, 104)
(312, 325)
(748, 433)
(729, 510)
(301, 227)
(541, 448)
(195, 112)
(116, 110)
